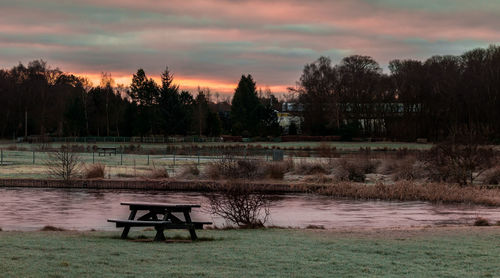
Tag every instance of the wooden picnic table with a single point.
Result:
(166, 219)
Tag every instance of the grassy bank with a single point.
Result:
(451, 252)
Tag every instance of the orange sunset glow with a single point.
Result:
(212, 43)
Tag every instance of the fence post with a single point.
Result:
(1, 157)
(148, 158)
(33, 157)
(198, 157)
(93, 157)
(174, 158)
(121, 157)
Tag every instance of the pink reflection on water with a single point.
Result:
(31, 209)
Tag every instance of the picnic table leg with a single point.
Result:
(191, 230)
(127, 228)
(159, 233)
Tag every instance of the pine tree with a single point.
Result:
(245, 107)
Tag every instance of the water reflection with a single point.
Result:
(31, 209)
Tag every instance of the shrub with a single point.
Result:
(462, 158)
(239, 204)
(492, 176)
(95, 171)
(63, 163)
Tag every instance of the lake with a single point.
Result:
(32, 208)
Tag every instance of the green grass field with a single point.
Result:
(437, 252)
(17, 159)
(339, 145)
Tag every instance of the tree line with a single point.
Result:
(39, 100)
(354, 98)
(415, 100)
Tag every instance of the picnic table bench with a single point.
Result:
(106, 150)
(167, 219)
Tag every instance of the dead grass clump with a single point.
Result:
(276, 170)
(408, 168)
(49, 228)
(315, 227)
(481, 222)
(221, 168)
(190, 171)
(310, 168)
(320, 178)
(411, 191)
(159, 173)
(325, 150)
(405, 170)
(246, 169)
(229, 168)
(95, 171)
(289, 164)
(125, 175)
(354, 169)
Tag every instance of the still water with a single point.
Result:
(31, 209)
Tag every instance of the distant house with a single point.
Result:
(291, 112)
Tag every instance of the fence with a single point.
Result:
(169, 159)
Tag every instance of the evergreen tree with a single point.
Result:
(145, 93)
(245, 107)
(173, 113)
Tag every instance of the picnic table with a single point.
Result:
(105, 150)
(166, 219)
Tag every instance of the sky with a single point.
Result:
(211, 43)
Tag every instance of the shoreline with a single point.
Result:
(161, 185)
(399, 191)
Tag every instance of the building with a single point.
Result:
(291, 112)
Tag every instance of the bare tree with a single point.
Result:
(241, 205)
(63, 163)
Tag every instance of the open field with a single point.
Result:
(450, 252)
(25, 160)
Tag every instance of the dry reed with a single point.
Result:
(411, 191)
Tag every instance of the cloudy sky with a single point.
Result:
(210, 43)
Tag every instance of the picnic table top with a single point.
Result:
(158, 205)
